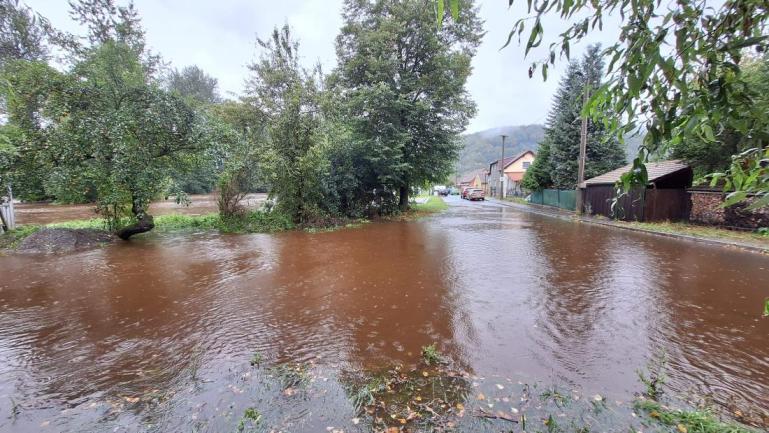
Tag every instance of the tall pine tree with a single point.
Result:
(557, 164)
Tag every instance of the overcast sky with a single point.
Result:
(219, 36)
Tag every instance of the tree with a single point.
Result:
(107, 22)
(194, 84)
(712, 156)
(562, 135)
(539, 174)
(123, 136)
(198, 89)
(405, 87)
(22, 35)
(29, 90)
(287, 97)
(675, 69)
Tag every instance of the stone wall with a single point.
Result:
(706, 209)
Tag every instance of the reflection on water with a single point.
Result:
(158, 332)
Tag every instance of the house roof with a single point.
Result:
(511, 159)
(470, 176)
(655, 170)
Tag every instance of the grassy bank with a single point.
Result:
(13, 238)
(251, 222)
(688, 421)
(519, 200)
(754, 238)
(758, 238)
(432, 205)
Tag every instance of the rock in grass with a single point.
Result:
(57, 240)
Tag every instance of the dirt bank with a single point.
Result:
(55, 240)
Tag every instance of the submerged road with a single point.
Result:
(156, 334)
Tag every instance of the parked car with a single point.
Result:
(443, 192)
(476, 194)
(465, 190)
(454, 191)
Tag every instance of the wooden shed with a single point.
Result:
(663, 198)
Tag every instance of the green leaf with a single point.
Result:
(766, 307)
(455, 9)
(440, 12)
(734, 198)
(761, 202)
(535, 38)
(708, 131)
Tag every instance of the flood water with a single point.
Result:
(156, 334)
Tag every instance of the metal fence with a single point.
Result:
(561, 198)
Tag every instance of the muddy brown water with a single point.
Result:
(156, 334)
(46, 213)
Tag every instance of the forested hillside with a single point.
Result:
(482, 147)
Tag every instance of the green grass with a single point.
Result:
(690, 421)
(13, 238)
(431, 355)
(291, 375)
(93, 223)
(519, 200)
(702, 232)
(252, 222)
(433, 204)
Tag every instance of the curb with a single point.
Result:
(540, 210)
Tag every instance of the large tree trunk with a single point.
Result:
(403, 203)
(144, 222)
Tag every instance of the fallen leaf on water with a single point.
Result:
(597, 397)
(131, 399)
(355, 421)
(460, 406)
(500, 386)
(425, 374)
(402, 420)
(393, 430)
(682, 428)
(44, 423)
(481, 396)
(418, 398)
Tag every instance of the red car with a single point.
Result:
(476, 194)
(465, 190)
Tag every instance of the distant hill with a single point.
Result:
(480, 148)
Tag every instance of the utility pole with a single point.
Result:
(582, 151)
(502, 170)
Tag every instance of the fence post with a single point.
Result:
(12, 214)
